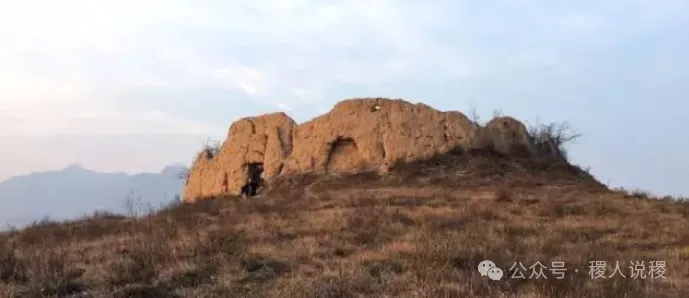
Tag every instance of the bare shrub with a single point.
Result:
(210, 148)
(633, 193)
(474, 116)
(552, 137)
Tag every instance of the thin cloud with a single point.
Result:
(61, 61)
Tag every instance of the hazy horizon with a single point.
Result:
(124, 86)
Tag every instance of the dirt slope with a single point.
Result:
(419, 231)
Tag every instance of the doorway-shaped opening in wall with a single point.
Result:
(253, 183)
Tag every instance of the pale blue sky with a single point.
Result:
(164, 75)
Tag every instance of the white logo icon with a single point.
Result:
(488, 268)
(484, 266)
(495, 273)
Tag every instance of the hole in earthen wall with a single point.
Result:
(343, 156)
(253, 181)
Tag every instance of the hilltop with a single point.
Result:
(419, 228)
(360, 134)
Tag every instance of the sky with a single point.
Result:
(134, 86)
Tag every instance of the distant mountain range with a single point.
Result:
(75, 191)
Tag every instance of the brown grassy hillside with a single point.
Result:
(418, 232)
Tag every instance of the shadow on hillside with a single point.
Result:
(456, 168)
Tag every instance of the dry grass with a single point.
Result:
(418, 232)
